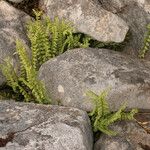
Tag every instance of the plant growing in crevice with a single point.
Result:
(48, 38)
(101, 116)
(146, 46)
(25, 84)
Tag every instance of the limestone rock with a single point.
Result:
(88, 18)
(130, 136)
(136, 13)
(12, 27)
(30, 127)
(68, 77)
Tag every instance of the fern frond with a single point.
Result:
(101, 117)
(64, 28)
(101, 106)
(146, 46)
(106, 130)
(86, 42)
(39, 43)
(54, 40)
(37, 14)
(10, 74)
(129, 115)
(22, 53)
(111, 118)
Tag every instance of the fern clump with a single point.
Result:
(101, 117)
(146, 46)
(25, 84)
(48, 38)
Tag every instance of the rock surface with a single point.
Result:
(136, 13)
(88, 17)
(68, 77)
(16, 1)
(12, 27)
(130, 136)
(32, 127)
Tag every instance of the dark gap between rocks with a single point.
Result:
(6, 92)
(27, 6)
(145, 147)
(10, 137)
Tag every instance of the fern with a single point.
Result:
(10, 74)
(29, 86)
(31, 81)
(48, 38)
(102, 118)
(146, 46)
(12, 78)
(40, 46)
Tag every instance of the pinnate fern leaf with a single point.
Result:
(102, 118)
(146, 46)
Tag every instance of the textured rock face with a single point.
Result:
(69, 76)
(117, 5)
(130, 137)
(136, 13)
(31, 127)
(16, 1)
(12, 27)
(111, 143)
(88, 17)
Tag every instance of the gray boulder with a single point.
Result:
(130, 136)
(31, 127)
(12, 27)
(88, 17)
(136, 13)
(68, 77)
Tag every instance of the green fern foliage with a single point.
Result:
(146, 46)
(50, 38)
(102, 118)
(40, 46)
(10, 74)
(25, 84)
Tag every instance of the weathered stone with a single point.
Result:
(16, 1)
(136, 13)
(113, 143)
(130, 136)
(68, 77)
(88, 17)
(12, 27)
(32, 127)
